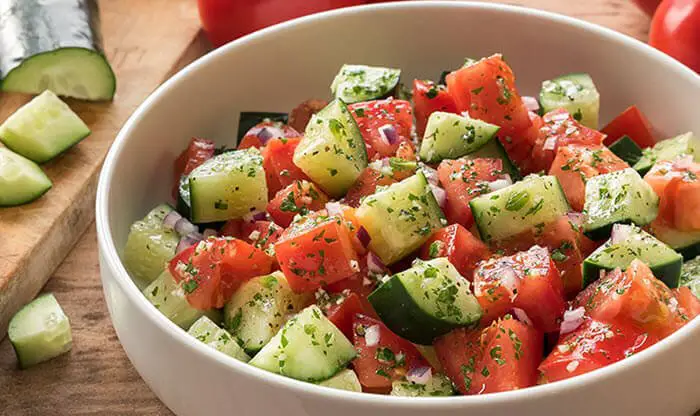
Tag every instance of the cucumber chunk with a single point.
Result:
(519, 207)
(687, 243)
(576, 93)
(228, 186)
(205, 330)
(259, 308)
(670, 149)
(626, 149)
(309, 348)
(450, 136)
(344, 380)
(493, 149)
(438, 385)
(21, 180)
(169, 298)
(355, 83)
(629, 242)
(690, 275)
(40, 331)
(400, 218)
(43, 128)
(618, 197)
(428, 300)
(150, 245)
(332, 151)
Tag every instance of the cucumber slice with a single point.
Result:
(259, 308)
(150, 245)
(670, 149)
(250, 119)
(228, 186)
(690, 275)
(576, 93)
(687, 243)
(205, 330)
(618, 197)
(169, 298)
(355, 83)
(438, 385)
(493, 149)
(519, 207)
(626, 149)
(21, 180)
(43, 128)
(428, 300)
(344, 380)
(629, 243)
(332, 151)
(400, 218)
(309, 348)
(450, 136)
(40, 331)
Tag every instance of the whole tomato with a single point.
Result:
(675, 30)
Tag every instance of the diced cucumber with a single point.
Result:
(400, 218)
(670, 149)
(259, 308)
(629, 242)
(150, 245)
(428, 300)
(21, 180)
(344, 380)
(618, 197)
(493, 149)
(43, 128)
(519, 207)
(449, 136)
(308, 347)
(690, 275)
(355, 83)
(249, 119)
(332, 151)
(40, 331)
(228, 186)
(438, 385)
(576, 93)
(687, 243)
(626, 149)
(205, 330)
(169, 298)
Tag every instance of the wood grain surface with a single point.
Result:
(96, 377)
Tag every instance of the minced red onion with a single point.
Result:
(171, 219)
(500, 183)
(184, 227)
(265, 134)
(188, 241)
(375, 264)
(255, 216)
(388, 133)
(531, 103)
(334, 208)
(572, 320)
(419, 375)
(430, 174)
(440, 195)
(550, 143)
(372, 335)
(521, 315)
(510, 282)
(620, 233)
(363, 236)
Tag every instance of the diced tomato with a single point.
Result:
(250, 141)
(197, 152)
(519, 146)
(387, 358)
(343, 313)
(460, 247)
(464, 180)
(575, 163)
(392, 170)
(361, 284)
(527, 280)
(406, 151)
(371, 115)
(233, 228)
(280, 170)
(502, 357)
(633, 123)
(635, 298)
(315, 252)
(213, 269)
(677, 184)
(688, 301)
(428, 97)
(261, 234)
(487, 91)
(298, 198)
(591, 346)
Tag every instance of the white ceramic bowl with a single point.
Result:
(278, 67)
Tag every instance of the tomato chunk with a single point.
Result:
(464, 180)
(250, 141)
(197, 152)
(460, 247)
(280, 170)
(316, 251)
(382, 355)
(371, 115)
(677, 184)
(527, 280)
(688, 301)
(212, 270)
(428, 97)
(576, 163)
(342, 312)
(361, 284)
(298, 198)
(633, 123)
(261, 234)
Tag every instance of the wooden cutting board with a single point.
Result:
(144, 40)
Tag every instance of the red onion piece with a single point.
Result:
(500, 183)
(375, 264)
(431, 175)
(550, 143)
(389, 134)
(531, 104)
(440, 195)
(188, 241)
(372, 335)
(572, 320)
(620, 233)
(210, 232)
(255, 216)
(171, 219)
(184, 227)
(419, 375)
(334, 208)
(363, 236)
(510, 282)
(265, 134)
(521, 316)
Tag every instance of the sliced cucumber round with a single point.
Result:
(21, 180)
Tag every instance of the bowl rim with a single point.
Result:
(118, 272)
